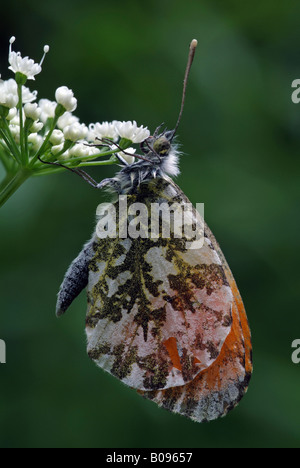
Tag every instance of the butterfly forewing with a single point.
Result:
(159, 311)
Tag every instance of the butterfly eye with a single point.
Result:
(162, 146)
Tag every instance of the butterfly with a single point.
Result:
(164, 318)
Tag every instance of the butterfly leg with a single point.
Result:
(136, 179)
(113, 183)
(76, 279)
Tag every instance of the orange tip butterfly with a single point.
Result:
(164, 313)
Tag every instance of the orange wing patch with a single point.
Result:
(218, 389)
(171, 345)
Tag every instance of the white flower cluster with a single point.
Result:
(50, 127)
(115, 130)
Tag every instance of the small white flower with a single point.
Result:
(64, 157)
(16, 119)
(48, 109)
(93, 150)
(65, 97)
(27, 95)
(141, 134)
(8, 94)
(102, 130)
(36, 141)
(66, 119)
(126, 129)
(75, 132)
(8, 100)
(131, 131)
(57, 138)
(15, 131)
(129, 159)
(10, 87)
(25, 65)
(80, 150)
(36, 127)
(12, 113)
(32, 111)
(57, 149)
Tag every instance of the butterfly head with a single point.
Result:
(159, 145)
(162, 145)
(161, 153)
(160, 159)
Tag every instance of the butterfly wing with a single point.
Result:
(159, 312)
(218, 389)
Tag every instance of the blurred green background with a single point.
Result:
(241, 140)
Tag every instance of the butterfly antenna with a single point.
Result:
(192, 51)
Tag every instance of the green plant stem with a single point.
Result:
(94, 156)
(5, 160)
(42, 148)
(11, 144)
(4, 182)
(98, 163)
(20, 107)
(11, 184)
(45, 172)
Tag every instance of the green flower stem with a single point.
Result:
(74, 162)
(4, 163)
(44, 145)
(44, 172)
(11, 184)
(9, 140)
(4, 182)
(2, 134)
(39, 171)
(5, 158)
(24, 156)
(82, 160)
(67, 146)
(124, 143)
(99, 163)
(26, 133)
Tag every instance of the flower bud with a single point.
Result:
(36, 141)
(75, 132)
(57, 138)
(36, 127)
(32, 111)
(65, 97)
